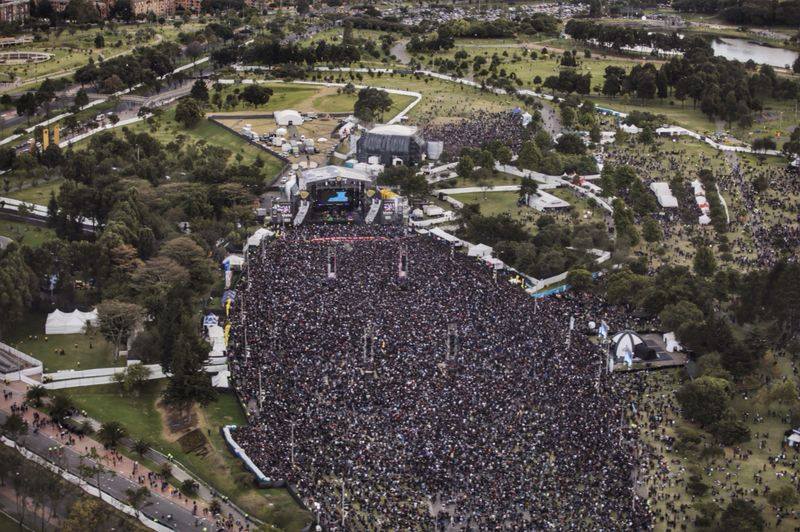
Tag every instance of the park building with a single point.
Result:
(14, 10)
(391, 145)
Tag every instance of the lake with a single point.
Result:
(743, 50)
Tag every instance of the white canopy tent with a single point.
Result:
(256, 238)
(70, 322)
(664, 195)
(480, 250)
(288, 117)
(234, 262)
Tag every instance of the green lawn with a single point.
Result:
(39, 194)
(142, 420)
(28, 234)
(82, 351)
(305, 98)
(166, 130)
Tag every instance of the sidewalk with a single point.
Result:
(165, 506)
(124, 467)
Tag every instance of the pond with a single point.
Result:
(744, 50)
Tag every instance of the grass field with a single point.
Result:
(142, 419)
(28, 234)
(39, 194)
(165, 129)
(82, 351)
(305, 98)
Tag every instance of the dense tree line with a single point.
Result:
(274, 52)
(750, 13)
(728, 90)
(554, 249)
(138, 255)
(617, 36)
(144, 65)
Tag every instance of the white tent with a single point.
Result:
(671, 342)
(234, 262)
(258, 236)
(69, 322)
(664, 195)
(220, 380)
(480, 250)
(216, 337)
(704, 220)
(287, 117)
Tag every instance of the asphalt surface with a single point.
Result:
(158, 508)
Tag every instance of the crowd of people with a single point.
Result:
(397, 384)
(481, 128)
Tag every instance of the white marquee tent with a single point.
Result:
(69, 322)
(480, 250)
(287, 117)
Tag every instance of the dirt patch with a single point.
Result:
(175, 424)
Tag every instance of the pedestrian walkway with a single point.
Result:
(71, 453)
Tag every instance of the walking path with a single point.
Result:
(61, 448)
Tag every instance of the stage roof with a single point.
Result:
(325, 173)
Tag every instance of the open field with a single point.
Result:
(39, 194)
(143, 419)
(27, 234)
(82, 351)
(304, 98)
(165, 129)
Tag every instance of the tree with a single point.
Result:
(14, 426)
(528, 187)
(465, 167)
(137, 497)
(579, 279)
(673, 316)
(188, 383)
(704, 262)
(87, 513)
(27, 104)
(796, 66)
(61, 407)
(530, 156)
(783, 497)
(99, 41)
(742, 516)
(256, 94)
(371, 104)
(110, 433)
(188, 112)
(199, 91)
(18, 286)
(704, 400)
(35, 394)
(651, 231)
(141, 447)
(81, 98)
(118, 320)
(730, 432)
(189, 487)
(132, 378)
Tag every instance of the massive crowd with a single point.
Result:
(477, 130)
(444, 400)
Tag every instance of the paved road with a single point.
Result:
(158, 508)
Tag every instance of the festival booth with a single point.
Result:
(664, 195)
(70, 322)
(255, 239)
(288, 117)
(233, 262)
(480, 250)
